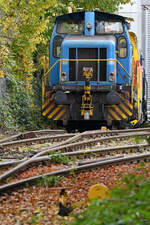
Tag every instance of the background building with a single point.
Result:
(140, 12)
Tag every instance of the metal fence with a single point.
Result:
(2, 86)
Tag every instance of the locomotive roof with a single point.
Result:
(98, 14)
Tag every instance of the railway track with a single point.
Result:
(91, 153)
(97, 157)
(71, 147)
(32, 134)
(12, 149)
(76, 169)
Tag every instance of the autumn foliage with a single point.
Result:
(26, 27)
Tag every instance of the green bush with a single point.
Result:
(15, 110)
(18, 109)
(129, 205)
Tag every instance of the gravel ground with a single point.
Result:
(38, 204)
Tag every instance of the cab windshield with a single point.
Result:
(108, 27)
(70, 26)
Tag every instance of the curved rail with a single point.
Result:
(116, 160)
(35, 132)
(64, 146)
(6, 143)
(23, 164)
(101, 152)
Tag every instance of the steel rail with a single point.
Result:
(89, 142)
(35, 140)
(49, 131)
(84, 162)
(5, 144)
(23, 164)
(62, 146)
(13, 137)
(102, 151)
(129, 159)
(38, 132)
(108, 150)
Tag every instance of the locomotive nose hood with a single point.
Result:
(97, 52)
(75, 41)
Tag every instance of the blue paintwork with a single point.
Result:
(111, 48)
(89, 19)
(125, 62)
(54, 74)
(110, 45)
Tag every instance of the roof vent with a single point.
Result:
(79, 9)
(96, 10)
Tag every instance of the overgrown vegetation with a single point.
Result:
(49, 181)
(129, 204)
(59, 158)
(26, 28)
(15, 108)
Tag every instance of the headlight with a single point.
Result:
(89, 26)
(111, 77)
(63, 76)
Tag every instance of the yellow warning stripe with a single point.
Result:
(125, 109)
(127, 102)
(60, 114)
(45, 104)
(48, 109)
(50, 99)
(54, 112)
(114, 114)
(120, 112)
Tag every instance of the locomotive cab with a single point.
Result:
(91, 57)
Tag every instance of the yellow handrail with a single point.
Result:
(43, 79)
(81, 60)
(122, 67)
(51, 68)
(77, 60)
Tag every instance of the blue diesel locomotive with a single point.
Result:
(95, 73)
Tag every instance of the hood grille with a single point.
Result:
(99, 68)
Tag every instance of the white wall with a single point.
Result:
(133, 11)
(140, 12)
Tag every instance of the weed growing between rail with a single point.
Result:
(50, 181)
(60, 159)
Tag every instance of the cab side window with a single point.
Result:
(57, 46)
(122, 47)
